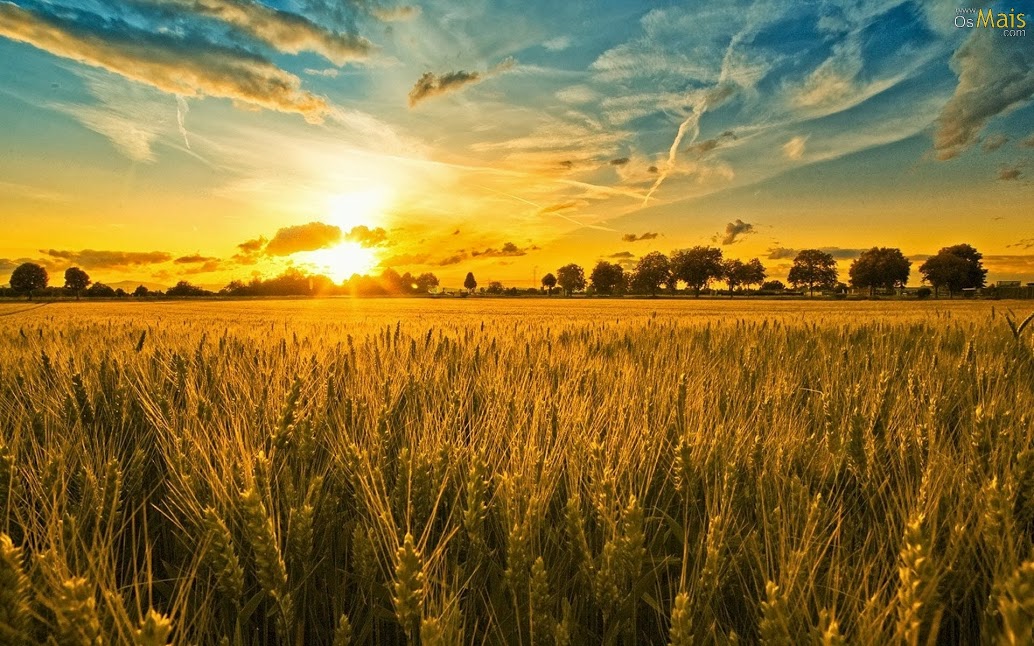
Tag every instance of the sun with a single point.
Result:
(342, 261)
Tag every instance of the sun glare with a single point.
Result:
(340, 262)
(363, 207)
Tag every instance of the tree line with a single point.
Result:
(693, 270)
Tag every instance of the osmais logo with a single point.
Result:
(1011, 23)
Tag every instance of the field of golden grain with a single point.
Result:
(535, 472)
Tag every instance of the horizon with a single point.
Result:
(226, 139)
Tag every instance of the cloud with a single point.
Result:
(253, 246)
(735, 230)
(1026, 243)
(330, 72)
(620, 161)
(286, 32)
(995, 74)
(794, 149)
(178, 65)
(1009, 173)
(1028, 142)
(431, 84)
(622, 255)
(94, 259)
(508, 249)
(994, 142)
(395, 14)
(838, 253)
(557, 44)
(366, 236)
(194, 259)
(303, 237)
(701, 148)
(631, 237)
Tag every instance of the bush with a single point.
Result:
(923, 292)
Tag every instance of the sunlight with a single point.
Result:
(363, 207)
(340, 262)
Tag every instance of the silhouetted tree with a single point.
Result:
(426, 282)
(957, 267)
(549, 282)
(29, 277)
(754, 272)
(571, 278)
(495, 287)
(76, 280)
(141, 291)
(652, 271)
(100, 290)
(469, 282)
(880, 267)
(813, 268)
(697, 267)
(773, 286)
(184, 288)
(606, 277)
(734, 272)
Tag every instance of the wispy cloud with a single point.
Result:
(794, 148)
(431, 85)
(178, 65)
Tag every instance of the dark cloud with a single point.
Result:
(620, 161)
(736, 230)
(631, 237)
(253, 246)
(994, 142)
(622, 254)
(567, 163)
(701, 148)
(838, 253)
(366, 236)
(182, 65)
(508, 249)
(995, 74)
(94, 259)
(194, 259)
(210, 265)
(431, 84)
(652, 169)
(451, 260)
(1026, 243)
(303, 237)
(284, 31)
(1009, 173)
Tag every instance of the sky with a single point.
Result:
(210, 140)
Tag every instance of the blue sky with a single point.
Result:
(505, 138)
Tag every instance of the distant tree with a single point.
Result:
(469, 282)
(773, 286)
(754, 272)
(495, 287)
(606, 277)
(813, 268)
(29, 277)
(120, 293)
(571, 278)
(233, 288)
(956, 268)
(100, 290)
(76, 280)
(652, 271)
(141, 291)
(426, 282)
(733, 271)
(549, 282)
(697, 267)
(880, 267)
(184, 288)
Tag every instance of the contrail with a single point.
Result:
(182, 108)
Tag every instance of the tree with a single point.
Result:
(141, 291)
(734, 271)
(697, 267)
(571, 278)
(754, 272)
(957, 267)
(880, 267)
(652, 271)
(100, 290)
(495, 287)
(813, 268)
(184, 288)
(426, 282)
(549, 282)
(607, 277)
(29, 277)
(469, 283)
(772, 286)
(76, 280)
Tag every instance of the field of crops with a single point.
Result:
(474, 471)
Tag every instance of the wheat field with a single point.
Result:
(477, 471)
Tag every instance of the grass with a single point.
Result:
(562, 472)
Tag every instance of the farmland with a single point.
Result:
(552, 471)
